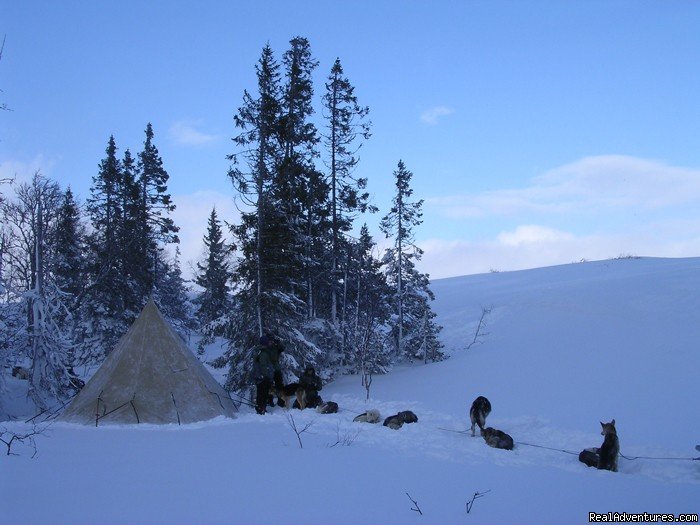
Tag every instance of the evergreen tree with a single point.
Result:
(367, 309)
(69, 269)
(253, 173)
(155, 224)
(69, 262)
(413, 329)
(299, 190)
(104, 308)
(346, 126)
(258, 119)
(213, 276)
(104, 204)
(171, 295)
(283, 189)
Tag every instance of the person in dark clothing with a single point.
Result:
(311, 383)
(266, 370)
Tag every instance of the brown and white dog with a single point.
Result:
(287, 393)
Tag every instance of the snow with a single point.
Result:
(564, 348)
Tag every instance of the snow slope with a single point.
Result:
(565, 347)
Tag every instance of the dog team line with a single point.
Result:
(645, 517)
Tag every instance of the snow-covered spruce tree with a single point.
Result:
(303, 194)
(155, 225)
(68, 263)
(213, 274)
(128, 208)
(252, 173)
(280, 240)
(300, 191)
(171, 294)
(68, 266)
(366, 307)
(105, 313)
(135, 255)
(413, 328)
(346, 126)
(147, 221)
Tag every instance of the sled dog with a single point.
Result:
(287, 392)
(481, 407)
(328, 407)
(605, 457)
(610, 448)
(497, 438)
(396, 421)
(371, 416)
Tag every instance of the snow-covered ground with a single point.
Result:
(564, 348)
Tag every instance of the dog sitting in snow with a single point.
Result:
(396, 421)
(371, 416)
(605, 457)
(481, 407)
(497, 438)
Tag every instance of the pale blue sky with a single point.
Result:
(538, 132)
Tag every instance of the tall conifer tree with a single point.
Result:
(414, 325)
(69, 264)
(346, 126)
(156, 204)
(104, 307)
(297, 188)
(213, 276)
(252, 174)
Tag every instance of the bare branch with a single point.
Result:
(366, 382)
(9, 438)
(346, 439)
(415, 507)
(297, 430)
(476, 496)
(479, 334)
(2, 48)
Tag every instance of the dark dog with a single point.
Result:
(396, 421)
(329, 407)
(605, 457)
(497, 438)
(481, 407)
(589, 457)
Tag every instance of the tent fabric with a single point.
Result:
(150, 377)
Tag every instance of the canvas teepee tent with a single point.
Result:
(149, 377)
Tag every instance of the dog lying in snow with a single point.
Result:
(329, 407)
(396, 421)
(497, 438)
(371, 416)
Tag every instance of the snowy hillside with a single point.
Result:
(563, 348)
